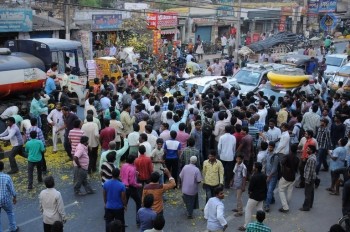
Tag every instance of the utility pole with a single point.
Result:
(67, 20)
(238, 28)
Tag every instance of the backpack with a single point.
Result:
(207, 128)
(279, 167)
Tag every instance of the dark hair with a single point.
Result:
(310, 133)
(1, 166)
(173, 134)
(115, 173)
(272, 144)
(136, 127)
(228, 129)
(264, 145)
(76, 123)
(89, 118)
(142, 149)
(245, 128)
(191, 141)
(84, 139)
(144, 136)
(336, 227)
(148, 201)
(258, 166)
(106, 122)
(218, 190)
(343, 141)
(11, 119)
(115, 226)
(49, 182)
(33, 134)
(159, 140)
(155, 177)
(111, 156)
(33, 121)
(182, 126)
(212, 152)
(130, 159)
(312, 148)
(260, 216)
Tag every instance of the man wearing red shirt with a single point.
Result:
(238, 135)
(106, 135)
(144, 166)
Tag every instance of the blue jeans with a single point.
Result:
(271, 185)
(322, 159)
(8, 207)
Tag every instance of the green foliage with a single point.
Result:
(95, 3)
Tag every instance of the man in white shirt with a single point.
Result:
(189, 57)
(214, 211)
(91, 131)
(223, 43)
(55, 119)
(226, 151)
(262, 111)
(143, 141)
(133, 138)
(231, 45)
(225, 84)
(9, 112)
(283, 145)
(274, 132)
(217, 68)
(105, 101)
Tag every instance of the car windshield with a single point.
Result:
(334, 61)
(200, 87)
(247, 77)
(345, 70)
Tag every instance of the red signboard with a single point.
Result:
(160, 20)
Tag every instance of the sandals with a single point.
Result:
(330, 189)
(241, 228)
(334, 193)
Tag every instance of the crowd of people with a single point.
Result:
(143, 141)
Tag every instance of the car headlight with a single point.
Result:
(330, 73)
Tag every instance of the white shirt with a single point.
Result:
(283, 145)
(214, 213)
(133, 138)
(261, 156)
(112, 51)
(51, 206)
(25, 124)
(56, 117)
(274, 133)
(226, 85)
(227, 147)
(231, 41)
(148, 147)
(188, 58)
(152, 140)
(223, 41)
(262, 113)
(105, 103)
(91, 131)
(9, 112)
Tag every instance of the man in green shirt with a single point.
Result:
(34, 148)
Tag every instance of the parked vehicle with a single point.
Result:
(249, 78)
(343, 75)
(66, 53)
(334, 63)
(109, 66)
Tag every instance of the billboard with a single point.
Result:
(225, 8)
(327, 6)
(106, 21)
(165, 19)
(16, 20)
(313, 7)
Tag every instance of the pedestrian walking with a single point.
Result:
(310, 176)
(51, 205)
(239, 182)
(145, 215)
(7, 198)
(258, 226)
(114, 198)
(214, 211)
(55, 119)
(190, 178)
(34, 148)
(81, 164)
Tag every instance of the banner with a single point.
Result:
(156, 41)
(328, 22)
(158, 20)
(16, 20)
(327, 6)
(106, 21)
(226, 8)
(313, 7)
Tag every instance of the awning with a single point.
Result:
(169, 31)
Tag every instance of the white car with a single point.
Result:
(204, 83)
(334, 63)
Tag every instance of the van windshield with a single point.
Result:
(247, 77)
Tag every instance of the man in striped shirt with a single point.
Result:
(40, 136)
(74, 136)
(107, 167)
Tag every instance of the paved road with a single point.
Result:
(86, 213)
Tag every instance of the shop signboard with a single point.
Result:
(327, 6)
(225, 8)
(313, 7)
(106, 21)
(156, 41)
(16, 20)
(161, 20)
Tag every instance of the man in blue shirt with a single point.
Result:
(145, 216)
(50, 85)
(172, 149)
(311, 66)
(115, 199)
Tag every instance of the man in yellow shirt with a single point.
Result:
(213, 174)
(282, 115)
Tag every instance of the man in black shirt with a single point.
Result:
(69, 118)
(257, 191)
